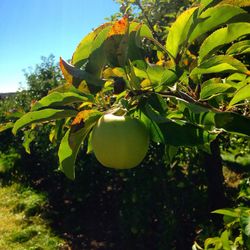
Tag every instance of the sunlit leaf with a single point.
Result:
(168, 79)
(213, 18)
(225, 240)
(66, 87)
(68, 150)
(238, 48)
(222, 37)
(71, 143)
(42, 116)
(57, 99)
(206, 3)
(220, 64)
(215, 89)
(180, 30)
(29, 136)
(56, 131)
(88, 45)
(155, 73)
(241, 95)
(228, 211)
(245, 223)
(240, 3)
(239, 77)
(142, 31)
(98, 57)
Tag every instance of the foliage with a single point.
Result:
(157, 14)
(178, 95)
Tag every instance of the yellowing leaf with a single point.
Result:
(83, 115)
(119, 27)
(81, 78)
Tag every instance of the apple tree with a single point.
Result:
(192, 91)
(188, 89)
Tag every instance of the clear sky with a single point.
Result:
(30, 29)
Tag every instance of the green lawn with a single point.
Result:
(22, 226)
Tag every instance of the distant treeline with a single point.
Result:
(3, 95)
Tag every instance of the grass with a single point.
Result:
(21, 224)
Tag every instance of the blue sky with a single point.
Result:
(30, 29)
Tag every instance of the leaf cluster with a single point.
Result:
(192, 87)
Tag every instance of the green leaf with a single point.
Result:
(66, 87)
(57, 99)
(220, 64)
(112, 47)
(68, 150)
(180, 30)
(154, 130)
(57, 131)
(71, 143)
(98, 57)
(241, 95)
(233, 122)
(229, 121)
(228, 211)
(238, 77)
(238, 48)
(213, 18)
(140, 73)
(225, 240)
(29, 136)
(130, 44)
(157, 103)
(184, 134)
(245, 223)
(142, 31)
(205, 4)
(222, 37)
(175, 133)
(215, 89)
(88, 44)
(170, 153)
(155, 73)
(42, 116)
(168, 79)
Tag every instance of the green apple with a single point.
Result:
(120, 142)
